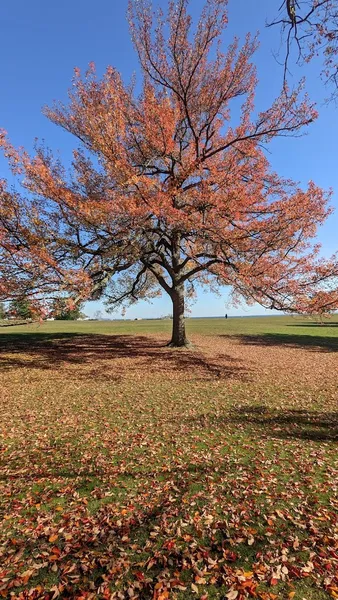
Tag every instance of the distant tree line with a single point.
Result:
(25, 309)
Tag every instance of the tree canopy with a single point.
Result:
(166, 191)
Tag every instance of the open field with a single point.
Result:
(131, 470)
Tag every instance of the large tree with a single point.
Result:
(166, 190)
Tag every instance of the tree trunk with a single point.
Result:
(178, 338)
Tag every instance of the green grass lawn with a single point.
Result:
(131, 470)
(289, 329)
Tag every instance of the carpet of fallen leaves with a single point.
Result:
(131, 470)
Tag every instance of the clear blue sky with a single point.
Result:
(41, 42)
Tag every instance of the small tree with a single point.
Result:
(166, 190)
(2, 311)
(21, 309)
(65, 310)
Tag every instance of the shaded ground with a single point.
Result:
(326, 343)
(131, 470)
(46, 351)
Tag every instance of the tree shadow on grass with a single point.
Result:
(313, 343)
(111, 357)
(265, 423)
(288, 424)
(315, 324)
